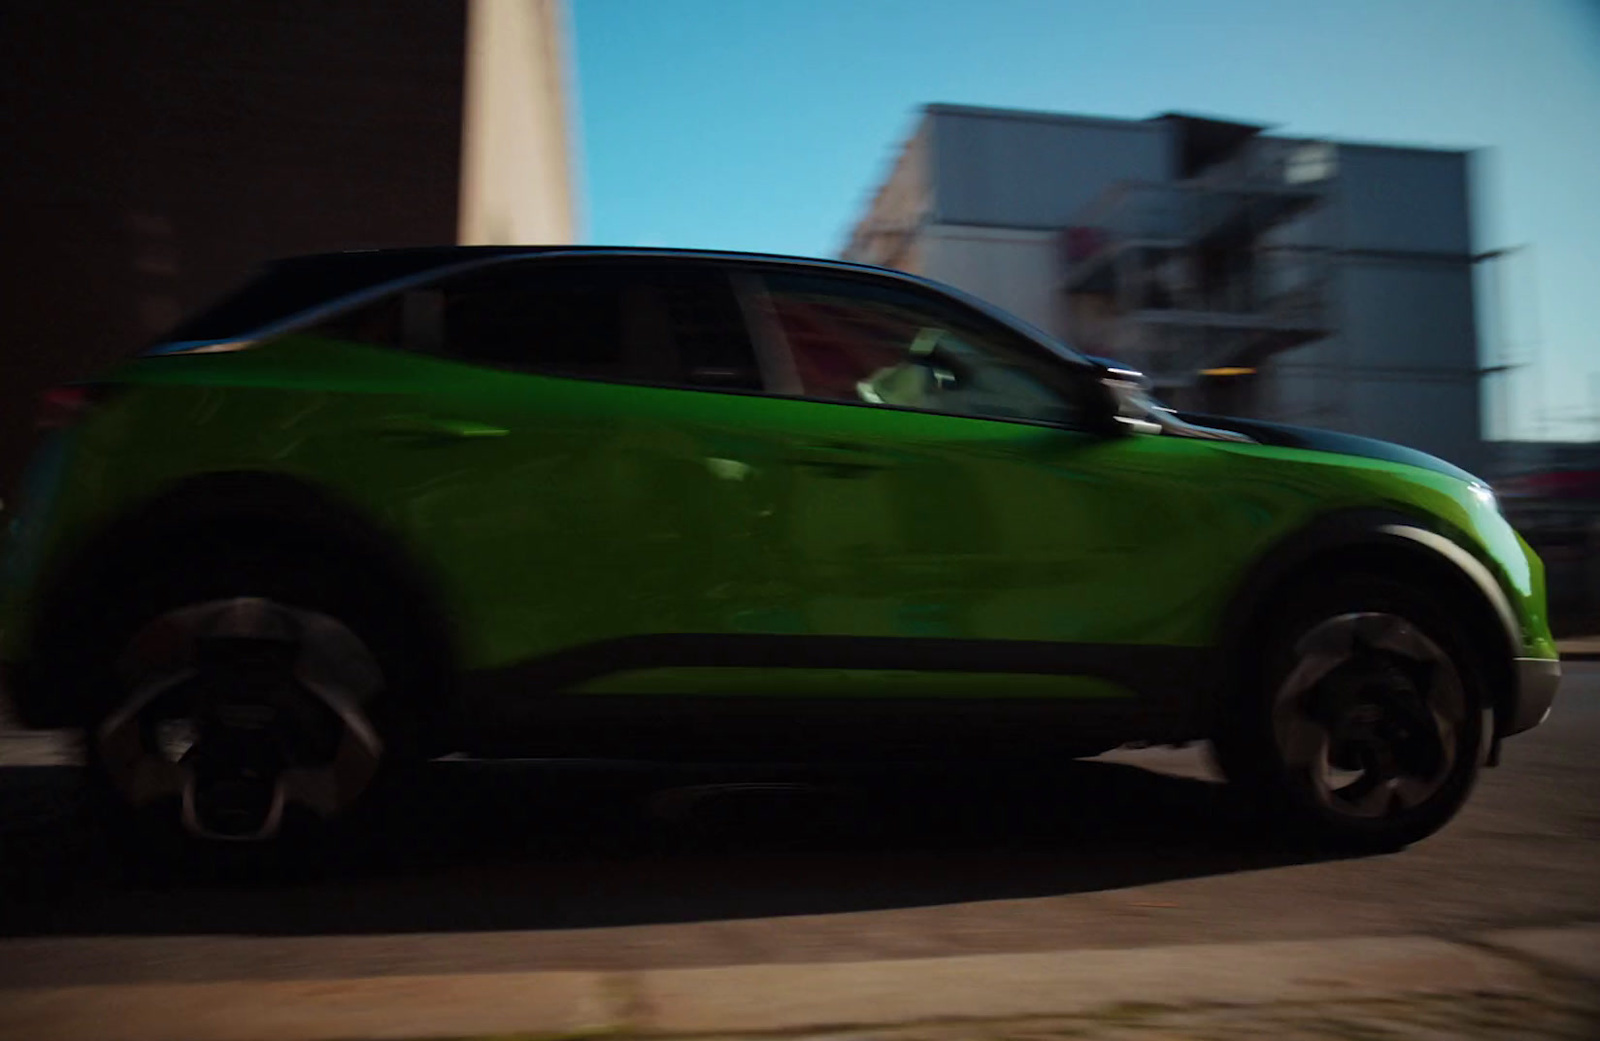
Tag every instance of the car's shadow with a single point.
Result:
(482, 846)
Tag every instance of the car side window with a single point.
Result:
(857, 341)
(555, 319)
(707, 328)
(660, 323)
(377, 324)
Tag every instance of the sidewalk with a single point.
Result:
(1569, 1015)
(1579, 648)
(1566, 1014)
(1524, 983)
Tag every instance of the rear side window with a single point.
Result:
(378, 324)
(707, 329)
(564, 321)
(286, 288)
(659, 323)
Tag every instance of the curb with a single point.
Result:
(1579, 648)
(758, 999)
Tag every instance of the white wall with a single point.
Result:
(1030, 170)
(1403, 199)
(1400, 366)
(882, 234)
(516, 177)
(1306, 385)
(1402, 363)
(1412, 346)
(1411, 314)
(1440, 417)
(1012, 269)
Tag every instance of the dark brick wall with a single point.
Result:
(153, 151)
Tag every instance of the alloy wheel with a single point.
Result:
(241, 708)
(1370, 716)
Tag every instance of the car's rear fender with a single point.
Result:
(254, 508)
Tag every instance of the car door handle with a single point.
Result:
(839, 460)
(434, 428)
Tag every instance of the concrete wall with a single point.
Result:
(516, 181)
(887, 233)
(1408, 316)
(1406, 306)
(993, 188)
(1402, 362)
(155, 152)
(1009, 268)
(1403, 199)
(1034, 170)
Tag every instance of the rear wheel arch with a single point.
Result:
(1386, 544)
(238, 513)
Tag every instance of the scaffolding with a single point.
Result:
(1205, 274)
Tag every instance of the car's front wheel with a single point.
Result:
(1364, 719)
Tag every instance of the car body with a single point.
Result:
(692, 504)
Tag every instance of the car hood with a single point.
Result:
(1283, 435)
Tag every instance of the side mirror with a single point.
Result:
(1130, 407)
(1113, 369)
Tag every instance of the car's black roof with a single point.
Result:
(387, 264)
(296, 290)
(294, 285)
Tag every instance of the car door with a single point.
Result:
(952, 510)
(565, 465)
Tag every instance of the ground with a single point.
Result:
(1568, 1014)
(514, 868)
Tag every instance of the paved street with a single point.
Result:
(1553, 1017)
(513, 867)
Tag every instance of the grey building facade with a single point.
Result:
(1298, 280)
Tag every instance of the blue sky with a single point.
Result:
(766, 124)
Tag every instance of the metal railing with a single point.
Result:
(1280, 281)
(1268, 164)
(1140, 211)
(1268, 180)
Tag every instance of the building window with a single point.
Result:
(1311, 162)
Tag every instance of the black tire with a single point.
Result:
(172, 573)
(1249, 747)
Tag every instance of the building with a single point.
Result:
(1306, 281)
(158, 151)
(1550, 491)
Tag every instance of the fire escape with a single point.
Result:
(1199, 280)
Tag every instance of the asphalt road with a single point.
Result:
(506, 867)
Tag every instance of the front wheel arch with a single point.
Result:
(1381, 543)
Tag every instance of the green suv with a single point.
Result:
(574, 502)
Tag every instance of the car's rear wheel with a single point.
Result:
(246, 694)
(1364, 719)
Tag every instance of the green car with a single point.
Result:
(576, 502)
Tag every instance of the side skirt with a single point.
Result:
(561, 706)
